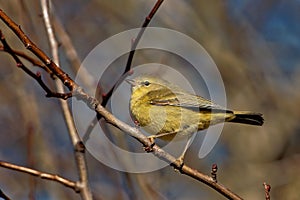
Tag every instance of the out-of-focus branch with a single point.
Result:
(94, 104)
(43, 175)
(79, 155)
(85, 77)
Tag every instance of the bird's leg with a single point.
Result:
(149, 149)
(153, 137)
(181, 157)
(137, 124)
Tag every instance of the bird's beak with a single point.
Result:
(131, 82)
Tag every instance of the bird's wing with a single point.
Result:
(188, 101)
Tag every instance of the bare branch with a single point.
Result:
(140, 34)
(36, 76)
(156, 150)
(76, 141)
(69, 83)
(43, 175)
(94, 104)
(107, 96)
(33, 61)
(86, 78)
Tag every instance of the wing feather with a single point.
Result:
(188, 101)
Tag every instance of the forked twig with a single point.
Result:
(67, 81)
(37, 76)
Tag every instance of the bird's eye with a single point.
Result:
(146, 83)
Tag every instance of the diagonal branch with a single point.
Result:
(107, 96)
(158, 152)
(33, 61)
(136, 41)
(67, 81)
(140, 34)
(36, 76)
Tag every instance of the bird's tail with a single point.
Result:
(246, 117)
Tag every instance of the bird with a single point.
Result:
(168, 112)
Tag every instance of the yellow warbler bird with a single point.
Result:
(166, 111)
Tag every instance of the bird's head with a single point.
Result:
(148, 85)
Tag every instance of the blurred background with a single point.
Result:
(256, 46)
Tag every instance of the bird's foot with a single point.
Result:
(178, 163)
(137, 124)
(149, 149)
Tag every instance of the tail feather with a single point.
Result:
(248, 118)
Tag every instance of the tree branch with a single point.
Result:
(33, 61)
(94, 104)
(43, 175)
(107, 96)
(67, 81)
(79, 149)
(37, 76)
(136, 41)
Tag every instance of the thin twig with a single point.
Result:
(33, 61)
(43, 175)
(85, 77)
(37, 76)
(136, 41)
(79, 155)
(67, 81)
(107, 96)
(140, 34)
(94, 104)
